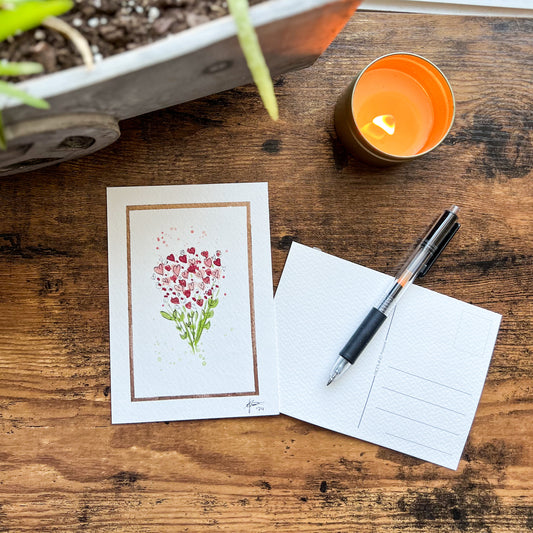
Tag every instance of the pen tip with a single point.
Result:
(330, 380)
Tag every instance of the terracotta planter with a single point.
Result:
(86, 106)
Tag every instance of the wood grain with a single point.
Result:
(65, 468)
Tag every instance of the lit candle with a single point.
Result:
(399, 107)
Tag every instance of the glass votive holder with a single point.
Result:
(398, 108)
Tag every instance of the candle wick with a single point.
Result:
(386, 122)
(380, 126)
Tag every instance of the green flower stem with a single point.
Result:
(191, 326)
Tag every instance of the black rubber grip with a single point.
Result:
(363, 335)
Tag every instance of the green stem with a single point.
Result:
(201, 326)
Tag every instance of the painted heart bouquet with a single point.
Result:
(190, 286)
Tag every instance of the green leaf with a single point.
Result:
(183, 336)
(210, 314)
(207, 325)
(166, 315)
(14, 92)
(212, 303)
(2, 135)
(254, 56)
(175, 314)
(27, 15)
(19, 69)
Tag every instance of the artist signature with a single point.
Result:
(257, 406)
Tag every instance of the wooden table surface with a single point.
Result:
(64, 467)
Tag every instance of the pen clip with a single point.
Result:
(438, 251)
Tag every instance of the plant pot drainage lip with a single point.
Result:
(161, 51)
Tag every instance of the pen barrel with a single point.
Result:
(363, 335)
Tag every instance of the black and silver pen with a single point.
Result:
(418, 264)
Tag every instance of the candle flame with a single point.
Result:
(379, 127)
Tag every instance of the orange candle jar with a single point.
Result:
(400, 107)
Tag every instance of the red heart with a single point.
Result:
(208, 272)
(173, 278)
(188, 305)
(183, 258)
(206, 279)
(191, 250)
(191, 268)
(217, 262)
(182, 282)
(175, 300)
(159, 270)
(171, 257)
(200, 302)
(168, 268)
(186, 293)
(205, 254)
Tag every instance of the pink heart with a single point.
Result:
(159, 270)
(208, 262)
(176, 269)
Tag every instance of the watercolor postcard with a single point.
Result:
(192, 327)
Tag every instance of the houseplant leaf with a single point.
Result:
(20, 69)
(27, 15)
(253, 55)
(12, 91)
